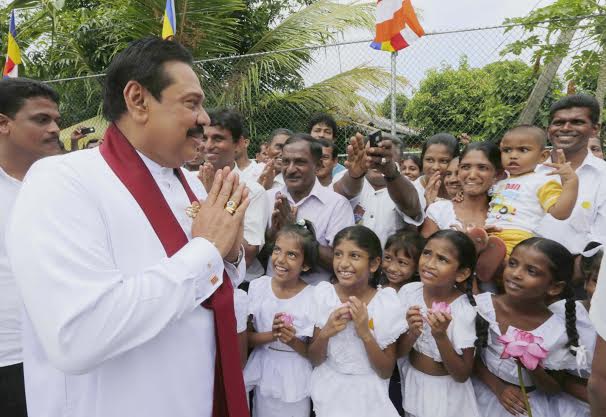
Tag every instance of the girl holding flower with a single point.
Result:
(440, 339)
(521, 342)
(280, 325)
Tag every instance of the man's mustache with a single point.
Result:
(196, 132)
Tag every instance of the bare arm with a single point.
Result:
(404, 194)
(405, 343)
(428, 228)
(459, 367)
(575, 386)
(545, 381)
(597, 381)
(318, 347)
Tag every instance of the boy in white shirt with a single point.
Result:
(522, 199)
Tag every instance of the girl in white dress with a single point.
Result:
(537, 270)
(357, 326)
(441, 330)
(280, 325)
(574, 401)
(241, 310)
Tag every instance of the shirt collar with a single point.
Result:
(155, 168)
(318, 191)
(13, 180)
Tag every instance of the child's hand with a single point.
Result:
(438, 322)
(277, 326)
(415, 321)
(336, 321)
(359, 315)
(562, 168)
(287, 334)
(512, 399)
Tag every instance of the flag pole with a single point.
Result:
(394, 56)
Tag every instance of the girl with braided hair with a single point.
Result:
(573, 401)
(537, 271)
(441, 330)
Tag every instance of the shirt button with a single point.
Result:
(372, 217)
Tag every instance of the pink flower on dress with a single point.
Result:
(287, 319)
(523, 346)
(440, 307)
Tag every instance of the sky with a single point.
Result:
(479, 47)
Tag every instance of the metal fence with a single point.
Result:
(452, 81)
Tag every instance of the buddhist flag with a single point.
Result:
(397, 25)
(13, 56)
(169, 23)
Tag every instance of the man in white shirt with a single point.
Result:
(328, 162)
(328, 211)
(384, 200)
(114, 254)
(573, 120)
(249, 168)
(29, 117)
(324, 126)
(221, 140)
(271, 176)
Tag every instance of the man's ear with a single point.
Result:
(5, 124)
(137, 100)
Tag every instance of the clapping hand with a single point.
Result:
(337, 321)
(432, 189)
(356, 163)
(283, 213)
(266, 179)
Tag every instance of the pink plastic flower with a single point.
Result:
(440, 307)
(523, 346)
(287, 319)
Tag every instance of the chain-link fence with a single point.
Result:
(452, 81)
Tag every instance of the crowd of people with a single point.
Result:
(162, 271)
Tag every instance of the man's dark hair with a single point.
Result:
(315, 149)
(142, 61)
(279, 131)
(15, 91)
(324, 118)
(330, 144)
(228, 119)
(577, 100)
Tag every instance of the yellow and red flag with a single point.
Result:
(13, 56)
(169, 23)
(397, 25)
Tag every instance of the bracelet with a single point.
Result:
(356, 178)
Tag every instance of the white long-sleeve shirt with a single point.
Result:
(112, 326)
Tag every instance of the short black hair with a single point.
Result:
(446, 139)
(277, 132)
(489, 149)
(536, 132)
(315, 149)
(412, 157)
(228, 119)
(15, 91)
(324, 118)
(330, 144)
(577, 100)
(142, 61)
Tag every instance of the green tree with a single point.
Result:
(401, 102)
(483, 102)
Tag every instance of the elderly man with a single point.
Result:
(328, 211)
(29, 131)
(127, 283)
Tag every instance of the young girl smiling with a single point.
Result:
(357, 325)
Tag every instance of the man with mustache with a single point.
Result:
(222, 139)
(125, 263)
(271, 176)
(573, 121)
(29, 119)
(304, 197)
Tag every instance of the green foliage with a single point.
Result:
(401, 102)
(483, 102)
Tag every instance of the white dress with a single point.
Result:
(241, 309)
(439, 396)
(279, 375)
(567, 405)
(553, 332)
(442, 213)
(346, 385)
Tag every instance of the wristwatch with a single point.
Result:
(236, 263)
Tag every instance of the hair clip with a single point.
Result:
(301, 223)
(591, 252)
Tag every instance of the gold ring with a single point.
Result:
(231, 207)
(192, 211)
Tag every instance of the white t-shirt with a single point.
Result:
(521, 202)
(588, 219)
(10, 302)
(253, 171)
(376, 210)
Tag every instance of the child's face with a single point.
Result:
(521, 153)
(352, 264)
(409, 169)
(287, 258)
(451, 178)
(398, 267)
(527, 275)
(439, 265)
(436, 159)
